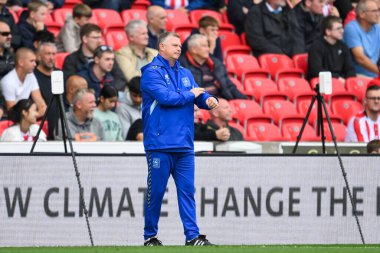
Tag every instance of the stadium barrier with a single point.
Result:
(240, 200)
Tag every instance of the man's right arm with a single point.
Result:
(363, 60)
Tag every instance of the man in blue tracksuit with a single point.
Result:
(169, 93)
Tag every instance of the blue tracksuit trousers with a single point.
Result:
(181, 166)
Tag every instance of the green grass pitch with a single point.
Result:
(209, 249)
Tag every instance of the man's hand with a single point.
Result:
(197, 91)
(223, 134)
(212, 103)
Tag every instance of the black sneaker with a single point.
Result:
(153, 241)
(199, 241)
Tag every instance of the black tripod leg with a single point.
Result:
(42, 124)
(304, 124)
(77, 174)
(320, 123)
(65, 136)
(343, 170)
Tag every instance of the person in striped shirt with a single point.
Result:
(365, 126)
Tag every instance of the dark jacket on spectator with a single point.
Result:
(7, 62)
(24, 3)
(203, 133)
(266, 34)
(311, 26)
(27, 31)
(227, 88)
(235, 134)
(76, 61)
(7, 17)
(93, 82)
(236, 15)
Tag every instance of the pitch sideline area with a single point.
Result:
(217, 249)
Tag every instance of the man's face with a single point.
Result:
(28, 63)
(202, 50)
(136, 98)
(106, 61)
(371, 13)
(316, 6)
(5, 35)
(47, 56)
(82, 21)
(224, 110)
(40, 14)
(159, 20)
(140, 37)
(92, 41)
(336, 32)
(372, 101)
(210, 31)
(171, 47)
(87, 105)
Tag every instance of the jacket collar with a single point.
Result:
(209, 62)
(108, 78)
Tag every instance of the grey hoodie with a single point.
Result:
(128, 113)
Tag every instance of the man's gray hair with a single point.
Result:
(133, 26)
(42, 44)
(362, 6)
(194, 40)
(163, 36)
(80, 94)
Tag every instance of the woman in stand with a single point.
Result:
(24, 116)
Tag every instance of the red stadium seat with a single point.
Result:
(245, 66)
(265, 132)
(108, 19)
(140, 5)
(346, 109)
(303, 106)
(262, 89)
(54, 28)
(358, 86)
(4, 124)
(60, 15)
(294, 87)
(238, 84)
(228, 39)
(116, 39)
(279, 65)
(292, 131)
(339, 91)
(238, 49)
(300, 62)
(14, 14)
(239, 128)
(128, 15)
(339, 131)
(175, 18)
(243, 109)
(280, 110)
(204, 115)
(243, 38)
(60, 59)
(69, 4)
(196, 15)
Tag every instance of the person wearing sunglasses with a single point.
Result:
(365, 126)
(98, 73)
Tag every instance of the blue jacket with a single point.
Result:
(168, 106)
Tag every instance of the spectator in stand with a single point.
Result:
(204, 133)
(109, 120)
(42, 37)
(208, 71)
(136, 54)
(68, 39)
(80, 118)
(46, 55)
(329, 53)
(187, 6)
(32, 21)
(272, 27)
(309, 14)
(7, 61)
(373, 147)
(24, 116)
(157, 19)
(209, 27)
(365, 126)
(91, 37)
(117, 5)
(21, 83)
(98, 73)
(7, 17)
(363, 38)
(237, 11)
(51, 4)
(129, 110)
(73, 84)
(219, 120)
(135, 132)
